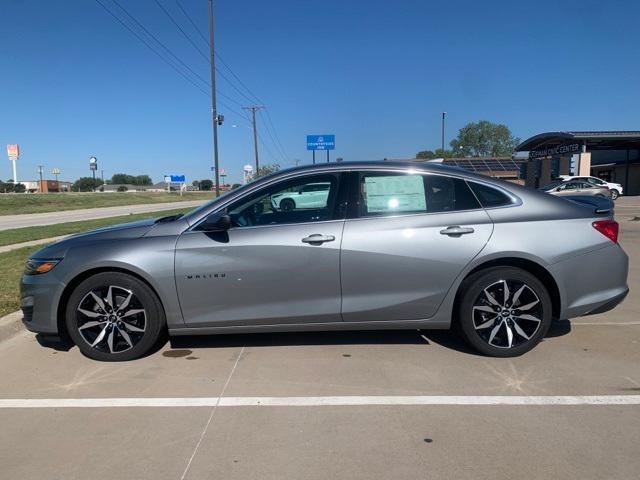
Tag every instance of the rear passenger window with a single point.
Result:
(397, 193)
(490, 197)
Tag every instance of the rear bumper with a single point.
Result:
(594, 282)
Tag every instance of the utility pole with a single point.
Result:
(214, 109)
(40, 170)
(253, 109)
(444, 114)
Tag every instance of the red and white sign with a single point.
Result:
(13, 151)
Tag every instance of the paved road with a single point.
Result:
(51, 218)
(376, 438)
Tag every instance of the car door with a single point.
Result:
(412, 236)
(271, 267)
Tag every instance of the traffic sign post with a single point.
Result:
(321, 142)
(169, 179)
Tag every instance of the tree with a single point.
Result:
(439, 153)
(206, 184)
(143, 180)
(265, 170)
(484, 139)
(10, 187)
(122, 188)
(196, 184)
(86, 184)
(124, 178)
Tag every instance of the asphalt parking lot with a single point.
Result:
(209, 408)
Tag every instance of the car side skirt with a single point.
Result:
(430, 324)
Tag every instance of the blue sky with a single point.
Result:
(377, 74)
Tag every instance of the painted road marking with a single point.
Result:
(549, 400)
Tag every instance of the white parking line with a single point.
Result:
(320, 401)
(605, 323)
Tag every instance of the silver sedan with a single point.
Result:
(391, 246)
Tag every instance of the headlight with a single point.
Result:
(37, 266)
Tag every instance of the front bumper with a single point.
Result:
(39, 299)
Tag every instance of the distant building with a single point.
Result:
(48, 186)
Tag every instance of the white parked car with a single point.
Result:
(615, 188)
(312, 195)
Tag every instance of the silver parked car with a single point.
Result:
(577, 187)
(393, 246)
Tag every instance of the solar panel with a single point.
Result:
(483, 165)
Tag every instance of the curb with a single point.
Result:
(10, 325)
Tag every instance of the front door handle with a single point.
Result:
(456, 231)
(318, 239)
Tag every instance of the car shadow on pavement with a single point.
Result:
(374, 337)
(450, 339)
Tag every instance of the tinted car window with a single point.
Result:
(489, 196)
(288, 202)
(397, 193)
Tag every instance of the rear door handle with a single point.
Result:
(318, 239)
(456, 231)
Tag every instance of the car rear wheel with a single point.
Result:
(614, 194)
(113, 316)
(286, 205)
(503, 311)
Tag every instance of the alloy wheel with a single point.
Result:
(111, 319)
(507, 314)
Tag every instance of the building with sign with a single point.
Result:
(612, 156)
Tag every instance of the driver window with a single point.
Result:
(302, 200)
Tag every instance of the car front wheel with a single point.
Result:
(503, 311)
(113, 316)
(614, 194)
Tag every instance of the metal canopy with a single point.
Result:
(618, 140)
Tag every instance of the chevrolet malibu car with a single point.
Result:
(393, 246)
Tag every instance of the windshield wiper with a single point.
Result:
(169, 218)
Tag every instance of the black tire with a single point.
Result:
(614, 194)
(494, 330)
(143, 327)
(286, 205)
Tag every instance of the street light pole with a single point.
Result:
(214, 110)
(444, 114)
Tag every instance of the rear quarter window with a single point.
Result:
(490, 197)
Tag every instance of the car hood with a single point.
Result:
(113, 232)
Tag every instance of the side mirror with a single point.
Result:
(216, 222)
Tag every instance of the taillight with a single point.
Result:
(609, 228)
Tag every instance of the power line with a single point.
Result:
(139, 24)
(218, 56)
(275, 133)
(166, 12)
(269, 132)
(193, 24)
(164, 59)
(251, 97)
